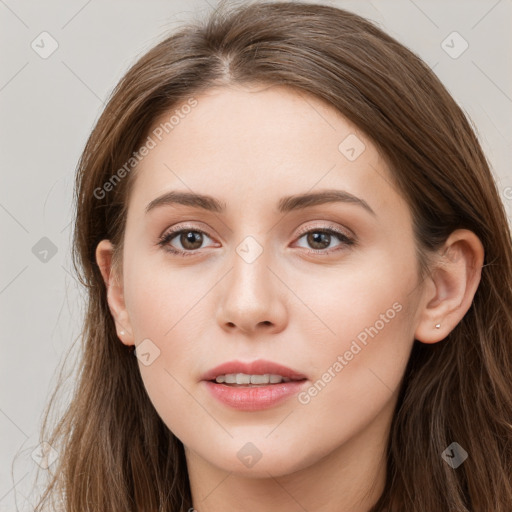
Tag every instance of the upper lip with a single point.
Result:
(258, 367)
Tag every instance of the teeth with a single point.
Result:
(243, 378)
(260, 379)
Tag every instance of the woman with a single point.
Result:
(286, 215)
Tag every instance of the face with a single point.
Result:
(325, 287)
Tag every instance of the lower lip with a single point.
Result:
(254, 398)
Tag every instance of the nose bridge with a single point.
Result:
(250, 275)
(251, 297)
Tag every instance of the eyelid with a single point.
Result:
(342, 230)
(191, 225)
(305, 229)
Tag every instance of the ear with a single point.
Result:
(451, 287)
(115, 297)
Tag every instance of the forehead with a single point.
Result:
(257, 142)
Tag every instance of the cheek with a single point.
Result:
(166, 315)
(159, 299)
(363, 337)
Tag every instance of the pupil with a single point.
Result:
(193, 238)
(316, 238)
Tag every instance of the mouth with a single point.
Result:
(255, 372)
(253, 386)
(254, 380)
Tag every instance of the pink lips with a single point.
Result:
(253, 398)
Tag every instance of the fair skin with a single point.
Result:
(249, 147)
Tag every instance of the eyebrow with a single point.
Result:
(286, 204)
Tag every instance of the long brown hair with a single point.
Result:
(115, 452)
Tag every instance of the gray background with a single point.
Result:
(48, 107)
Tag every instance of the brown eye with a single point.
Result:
(318, 239)
(321, 238)
(190, 240)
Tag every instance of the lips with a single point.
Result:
(253, 397)
(258, 367)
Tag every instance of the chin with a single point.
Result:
(264, 462)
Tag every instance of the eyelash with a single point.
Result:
(167, 237)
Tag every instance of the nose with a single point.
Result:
(252, 298)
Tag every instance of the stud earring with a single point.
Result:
(121, 333)
(438, 326)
